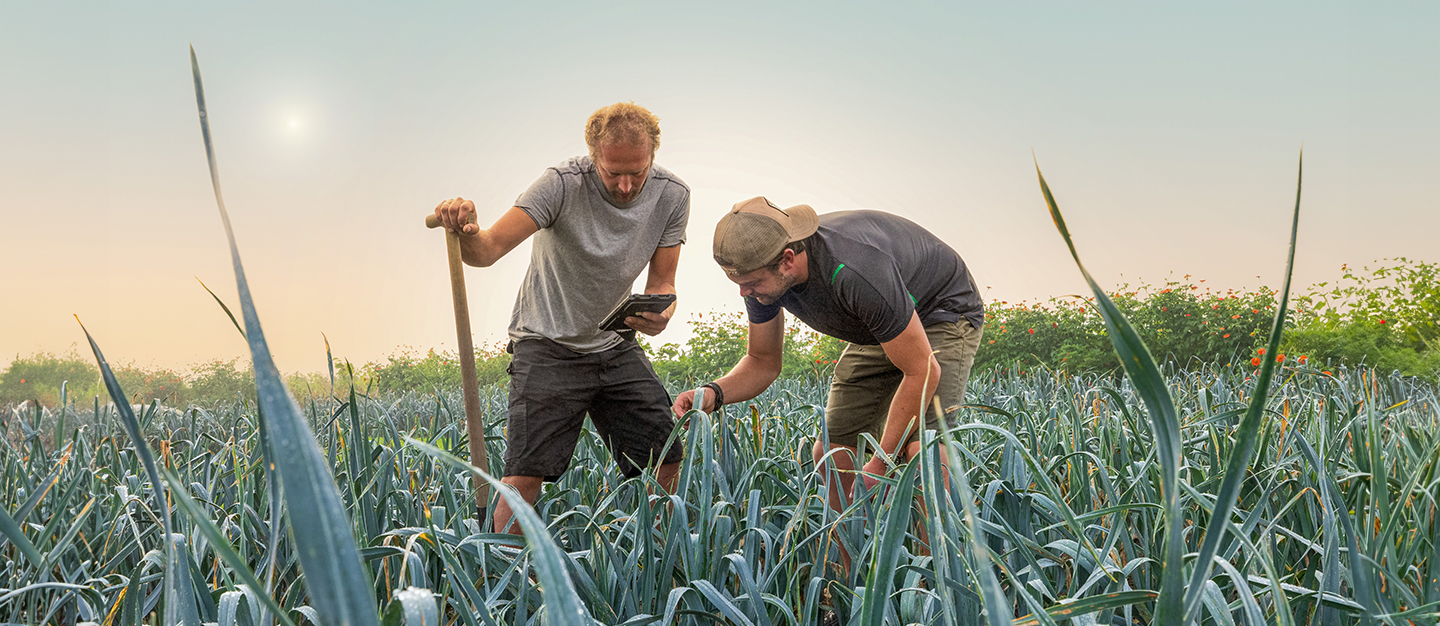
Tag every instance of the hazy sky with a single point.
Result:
(1168, 131)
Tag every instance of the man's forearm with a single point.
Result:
(749, 378)
(479, 250)
(907, 404)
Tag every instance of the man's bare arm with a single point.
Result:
(483, 247)
(660, 279)
(764, 356)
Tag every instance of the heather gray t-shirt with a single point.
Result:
(589, 250)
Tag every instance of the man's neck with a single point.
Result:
(802, 267)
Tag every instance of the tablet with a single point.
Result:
(634, 306)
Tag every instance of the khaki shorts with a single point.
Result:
(865, 382)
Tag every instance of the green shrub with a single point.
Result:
(718, 342)
(221, 381)
(39, 377)
(410, 370)
(144, 386)
(1180, 322)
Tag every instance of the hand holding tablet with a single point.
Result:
(634, 306)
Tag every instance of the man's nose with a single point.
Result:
(625, 184)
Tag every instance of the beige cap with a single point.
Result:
(755, 231)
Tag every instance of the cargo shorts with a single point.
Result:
(552, 388)
(865, 382)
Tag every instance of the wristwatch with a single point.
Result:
(719, 393)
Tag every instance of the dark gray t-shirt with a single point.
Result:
(589, 250)
(869, 271)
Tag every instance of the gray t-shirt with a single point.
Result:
(589, 250)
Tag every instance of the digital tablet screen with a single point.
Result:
(633, 306)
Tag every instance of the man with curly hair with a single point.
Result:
(597, 220)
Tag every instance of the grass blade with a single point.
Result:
(1245, 435)
(562, 601)
(179, 606)
(1164, 423)
(334, 575)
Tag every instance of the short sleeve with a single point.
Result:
(760, 313)
(674, 234)
(542, 201)
(880, 301)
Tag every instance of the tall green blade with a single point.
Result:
(334, 575)
(562, 601)
(1164, 423)
(1245, 435)
(179, 605)
(881, 579)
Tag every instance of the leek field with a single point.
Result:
(1258, 492)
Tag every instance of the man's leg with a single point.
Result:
(844, 467)
(529, 488)
(954, 344)
(550, 387)
(632, 414)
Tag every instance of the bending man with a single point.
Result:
(598, 220)
(900, 296)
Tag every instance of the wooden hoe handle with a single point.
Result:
(474, 416)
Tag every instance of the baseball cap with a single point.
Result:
(755, 231)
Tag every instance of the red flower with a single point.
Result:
(1255, 361)
(1261, 352)
(1254, 310)
(1279, 358)
(1227, 336)
(992, 341)
(1163, 309)
(1234, 317)
(1328, 374)
(817, 360)
(1032, 331)
(1303, 359)
(1382, 321)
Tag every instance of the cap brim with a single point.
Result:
(803, 222)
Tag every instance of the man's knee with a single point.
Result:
(844, 456)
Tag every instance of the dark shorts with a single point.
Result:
(865, 382)
(552, 389)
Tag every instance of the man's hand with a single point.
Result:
(686, 401)
(876, 466)
(650, 323)
(456, 215)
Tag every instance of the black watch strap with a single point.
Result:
(719, 393)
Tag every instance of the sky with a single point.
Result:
(1169, 132)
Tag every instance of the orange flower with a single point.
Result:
(992, 341)
(1254, 310)
(1261, 352)
(1279, 358)
(1227, 336)
(1255, 361)
(1303, 359)
(22, 381)
(1032, 331)
(1328, 374)
(1382, 321)
(1235, 317)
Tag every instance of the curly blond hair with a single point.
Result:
(625, 122)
